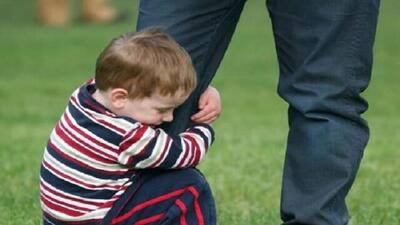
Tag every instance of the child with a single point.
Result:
(103, 160)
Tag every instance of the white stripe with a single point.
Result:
(84, 185)
(64, 206)
(84, 130)
(136, 147)
(167, 150)
(95, 119)
(130, 136)
(180, 157)
(104, 153)
(68, 201)
(84, 178)
(207, 133)
(111, 118)
(48, 221)
(189, 152)
(200, 142)
(96, 214)
(156, 151)
(84, 159)
(95, 201)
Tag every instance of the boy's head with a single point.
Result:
(144, 75)
(144, 63)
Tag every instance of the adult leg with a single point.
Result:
(325, 57)
(98, 11)
(204, 28)
(53, 12)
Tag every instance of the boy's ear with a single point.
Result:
(119, 97)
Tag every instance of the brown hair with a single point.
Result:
(143, 63)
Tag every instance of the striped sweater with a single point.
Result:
(92, 154)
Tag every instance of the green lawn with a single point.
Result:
(39, 67)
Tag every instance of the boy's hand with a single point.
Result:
(209, 106)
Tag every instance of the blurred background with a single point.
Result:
(41, 65)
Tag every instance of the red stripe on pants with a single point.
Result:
(182, 207)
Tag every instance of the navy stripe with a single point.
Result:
(92, 172)
(96, 129)
(174, 152)
(202, 135)
(208, 128)
(85, 97)
(48, 220)
(87, 126)
(70, 188)
(149, 148)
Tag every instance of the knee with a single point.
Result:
(320, 100)
(195, 177)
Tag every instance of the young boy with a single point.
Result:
(103, 160)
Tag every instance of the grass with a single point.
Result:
(40, 66)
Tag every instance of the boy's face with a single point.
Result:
(153, 110)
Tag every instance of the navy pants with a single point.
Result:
(324, 49)
(172, 197)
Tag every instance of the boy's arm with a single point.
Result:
(146, 147)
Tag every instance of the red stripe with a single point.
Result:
(103, 122)
(151, 219)
(129, 141)
(192, 151)
(84, 164)
(72, 180)
(76, 146)
(59, 208)
(142, 151)
(63, 203)
(186, 153)
(104, 156)
(197, 208)
(112, 126)
(83, 201)
(147, 204)
(164, 151)
(97, 108)
(182, 207)
(84, 133)
(90, 81)
(196, 150)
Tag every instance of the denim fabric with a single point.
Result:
(324, 50)
(159, 197)
(204, 28)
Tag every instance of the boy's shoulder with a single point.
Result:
(91, 113)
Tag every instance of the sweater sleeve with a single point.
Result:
(146, 147)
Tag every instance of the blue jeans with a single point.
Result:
(324, 49)
(162, 197)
